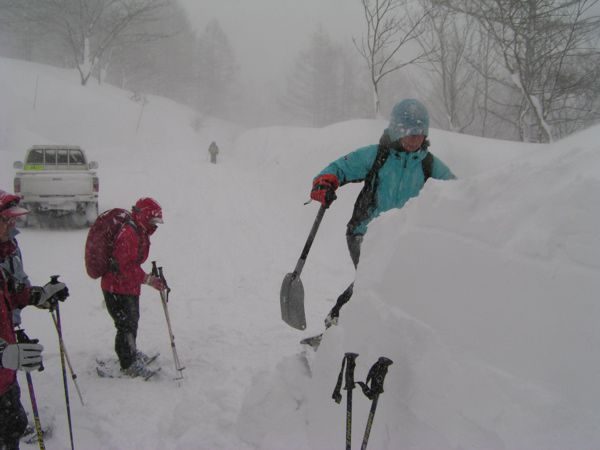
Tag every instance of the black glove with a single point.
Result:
(22, 338)
(48, 296)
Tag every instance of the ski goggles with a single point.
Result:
(398, 131)
(12, 209)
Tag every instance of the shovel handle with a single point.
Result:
(309, 241)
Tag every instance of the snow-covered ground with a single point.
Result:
(483, 291)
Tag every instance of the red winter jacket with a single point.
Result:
(9, 301)
(130, 250)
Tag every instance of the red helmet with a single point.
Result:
(9, 205)
(147, 212)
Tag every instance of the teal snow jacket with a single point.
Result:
(400, 178)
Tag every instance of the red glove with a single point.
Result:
(323, 190)
(155, 282)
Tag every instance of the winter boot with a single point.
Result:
(332, 318)
(138, 369)
(334, 314)
(145, 359)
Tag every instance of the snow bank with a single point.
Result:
(483, 291)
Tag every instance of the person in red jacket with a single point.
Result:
(121, 285)
(17, 351)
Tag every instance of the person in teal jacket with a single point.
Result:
(392, 171)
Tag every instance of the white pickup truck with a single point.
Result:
(56, 182)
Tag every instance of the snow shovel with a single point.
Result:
(292, 292)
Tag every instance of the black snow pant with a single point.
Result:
(13, 419)
(354, 242)
(125, 312)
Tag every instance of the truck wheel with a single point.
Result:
(23, 221)
(91, 213)
(78, 219)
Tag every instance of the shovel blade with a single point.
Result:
(292, 301)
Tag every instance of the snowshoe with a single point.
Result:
(313, 341)
(139, 369)
(112, 369)
(30, 436)
(146, 359)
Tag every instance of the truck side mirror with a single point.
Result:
(93, 165)
(18, 165)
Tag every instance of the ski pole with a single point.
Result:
(64, 371)
(36, 415)
(350, 362)
(64, 350)
(164, 297)
(23, 338)
(376, 376)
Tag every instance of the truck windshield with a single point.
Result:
(76, 157)
(49, 156)
(36, 157)
(62, 157)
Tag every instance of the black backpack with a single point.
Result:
(366, 200)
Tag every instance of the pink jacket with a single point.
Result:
(9, 301)
(130, 250)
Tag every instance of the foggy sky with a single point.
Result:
(268, 34)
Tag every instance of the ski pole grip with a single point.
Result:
(161, 274)
(373, 385)
(154, 269)
(379, 372)
(347, 372)
(350, 366)
(162, 277)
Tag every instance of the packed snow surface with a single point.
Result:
(483, 291)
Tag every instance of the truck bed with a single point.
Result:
(55, 183)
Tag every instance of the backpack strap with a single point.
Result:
(112, 264)
(427, 165)
(365, 202)
(139, 235)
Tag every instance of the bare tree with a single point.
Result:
(464, 77)
(161, 65)
(89, 28)
(392, 25)
(543, 43)
(354, 93)
(448, 41)
(483, 62)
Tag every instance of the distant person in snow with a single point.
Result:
(214, 151)
(121, 284)
(393, 171)
(17, 351)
